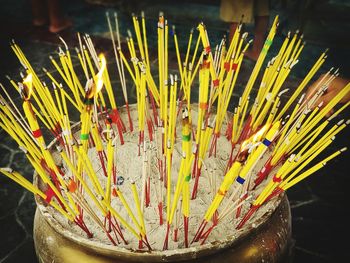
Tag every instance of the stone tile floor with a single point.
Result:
(318, 204)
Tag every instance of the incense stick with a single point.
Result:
(88, 177)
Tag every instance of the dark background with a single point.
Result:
(319, 204)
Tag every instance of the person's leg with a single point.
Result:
(233, 27)
(235, 11)
(58, 21)
(38, 12)
(261, 23)
(260, 28)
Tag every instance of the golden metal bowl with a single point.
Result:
(268, 241)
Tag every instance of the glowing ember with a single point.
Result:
(254, 138)
(27, 86)
(99, 75)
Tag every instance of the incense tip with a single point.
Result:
(340, 122)
(273, 59)
(64, 42)
(243, 194)
(8, 77)
(2, 102)
(294, 63)
(21, 90)
(161, 14)
(194, 149)
(6, 169)
(143, 14)
(51, 57)
(347, 122)
(301, 98)
(343, 149)
(282, 92)
(185, 112)
(129, 33)
(320, 105)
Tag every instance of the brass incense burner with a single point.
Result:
(268, 241)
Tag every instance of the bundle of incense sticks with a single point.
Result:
(293, 132)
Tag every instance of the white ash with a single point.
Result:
(129, 165)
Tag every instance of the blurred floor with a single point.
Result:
(319, 216)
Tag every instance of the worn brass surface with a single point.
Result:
(267, 243)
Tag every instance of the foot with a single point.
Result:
(60, 26)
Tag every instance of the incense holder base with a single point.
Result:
(270, 242)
